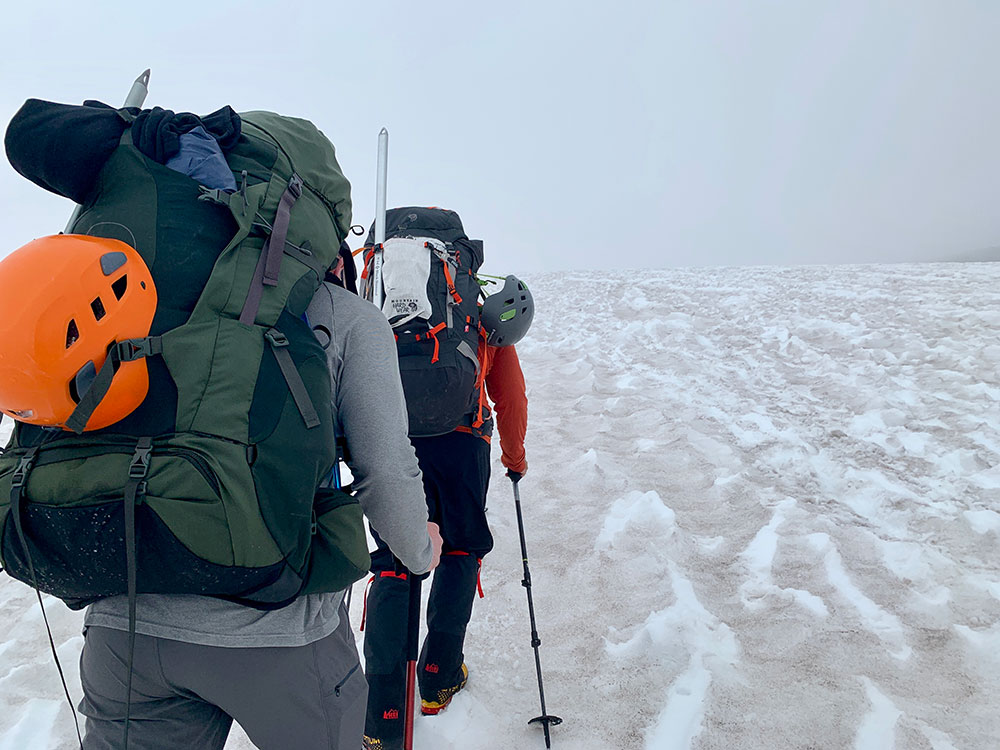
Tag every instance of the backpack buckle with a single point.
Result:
(295, 186)
(22, 470)
(314, 524)
(139, 466)
(133, 349)
(219, 197)
(276, 338)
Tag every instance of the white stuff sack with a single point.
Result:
(406, 268)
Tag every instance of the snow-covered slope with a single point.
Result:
(763, 511)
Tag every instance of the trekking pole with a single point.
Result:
(380, 199)
(136, 97)
(412, 647)
(546, 720)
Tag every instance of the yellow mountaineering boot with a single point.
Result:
(444, 696)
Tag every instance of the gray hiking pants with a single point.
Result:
(186, 696)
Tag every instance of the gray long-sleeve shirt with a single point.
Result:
(370, 413)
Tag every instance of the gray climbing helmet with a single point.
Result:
(506, 315)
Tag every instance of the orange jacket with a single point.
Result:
(505, 388)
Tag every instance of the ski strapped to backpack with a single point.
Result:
(430, 297)
(210, 486)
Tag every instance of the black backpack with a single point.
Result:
(431, 300)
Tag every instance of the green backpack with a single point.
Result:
(215, 485)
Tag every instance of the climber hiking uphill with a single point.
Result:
(454, 359)
(175, 473)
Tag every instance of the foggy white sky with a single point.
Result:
(583, 135)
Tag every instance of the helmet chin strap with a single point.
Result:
(124, 351)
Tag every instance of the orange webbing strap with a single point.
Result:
(451, 283)
(481, 382)
(433, 334)
(369, 255)
(479, 570)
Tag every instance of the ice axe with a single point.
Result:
(136, 97)
(381, 177)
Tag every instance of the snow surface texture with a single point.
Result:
(763, 511)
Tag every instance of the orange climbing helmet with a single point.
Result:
(67, 303)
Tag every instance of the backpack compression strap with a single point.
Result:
(135, 488)
(279, 345)
(269, 265)
(17, 486)
(124, 351)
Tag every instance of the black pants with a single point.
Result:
(456, 472)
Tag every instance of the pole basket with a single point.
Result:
(546, 721)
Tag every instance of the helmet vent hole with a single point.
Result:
(120, 286)
(509, 301)
(72, 334)
(142, 284)
(98, 307)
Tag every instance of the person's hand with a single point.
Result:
(515, 476)
(434, 532)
